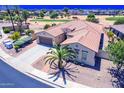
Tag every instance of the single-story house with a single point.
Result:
(118, 30)
(82, 36)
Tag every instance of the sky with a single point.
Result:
(31, 7)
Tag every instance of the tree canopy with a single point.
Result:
(116, 53)
(41, 14)
(54, 15)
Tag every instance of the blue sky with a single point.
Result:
(70, 6)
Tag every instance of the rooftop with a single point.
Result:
(120, 28)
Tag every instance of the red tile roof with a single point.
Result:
(88, 36)
(86, 33)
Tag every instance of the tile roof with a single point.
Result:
(119, 28)
(86, 33)
(88, 36)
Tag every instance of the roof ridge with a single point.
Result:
(91, 26)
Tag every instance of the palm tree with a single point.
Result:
(9, 13)
(25, 15)
(60, 55)
(58, 58)
(19, 18)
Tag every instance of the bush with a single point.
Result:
(54, 15)
(119, 21)
(16, 47)
(15, 36)
(6, 30)
(29, 31)
(92, 18)
(53, 24)
(46, 26)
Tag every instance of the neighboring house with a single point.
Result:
(118, 30)
(82, 36)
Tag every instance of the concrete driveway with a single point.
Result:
(30, 56)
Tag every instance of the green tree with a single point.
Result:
(60, 55)
(119, 21)
(25, 15)
(65, 9)
(57, 58)
(54, 15)
(15, 36)
(41, 14)
(92, 18)
(116, 54)
(46, 26)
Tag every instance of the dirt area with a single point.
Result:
(12, 51)
(86, 75)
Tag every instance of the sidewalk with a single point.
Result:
(23, 64)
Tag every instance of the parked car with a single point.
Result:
(8, 44)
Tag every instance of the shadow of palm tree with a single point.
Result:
(66, 71)
(117, 79)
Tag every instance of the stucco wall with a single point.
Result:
(56, 40)
(90, 57)
(60, 38)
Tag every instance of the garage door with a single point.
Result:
(46, 41)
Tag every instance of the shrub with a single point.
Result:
(53, 24)
(119, 21)
(54, 15)
(29, 31)
(15, 36)
(6, 30)
(46, 26)
(16, 47)
(92, 18)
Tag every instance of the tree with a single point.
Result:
(92, 18)
(58, 58)
(41, 14)
(54, 15)
(61, 55)
(9, 13)
(119, 21)
(65, 9)
(15, 36)
(25, 15)
(110, 35)
(116, 54)
(46, 26)
(16, 9)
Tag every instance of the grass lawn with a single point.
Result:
(50, 20)
(115, 18)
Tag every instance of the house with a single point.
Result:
(82, 36)
(118, 30)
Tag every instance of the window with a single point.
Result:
(76, 50)
(84, 55)
(76, 45)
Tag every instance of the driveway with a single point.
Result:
(30, 56)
